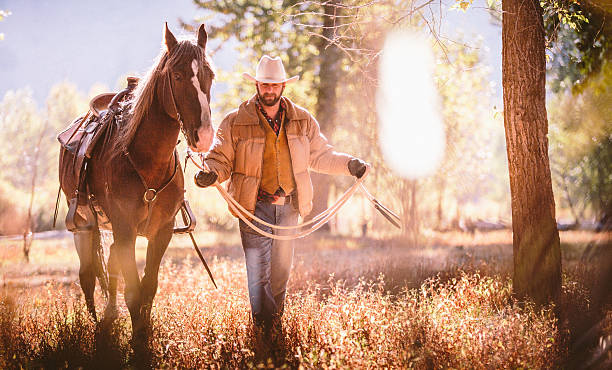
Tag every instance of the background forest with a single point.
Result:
(471, 182)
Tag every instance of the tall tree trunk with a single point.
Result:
(326, 108)
(440, 212)
(410, 214)
(28, 230)
(537, 256)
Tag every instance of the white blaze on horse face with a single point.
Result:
(205, 132)
(411, 131)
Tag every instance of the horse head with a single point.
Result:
(185, 93)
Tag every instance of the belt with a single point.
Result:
(278, 199)
(282, 200)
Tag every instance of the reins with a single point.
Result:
(317, 222)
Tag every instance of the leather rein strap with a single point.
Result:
(317, 222)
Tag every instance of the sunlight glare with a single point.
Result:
(411, 132)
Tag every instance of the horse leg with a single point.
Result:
(124, 243)
(114, 269)
(83, 241)
(155, 251)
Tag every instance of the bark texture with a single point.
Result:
(537, 256)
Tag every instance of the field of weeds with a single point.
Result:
(352, 303)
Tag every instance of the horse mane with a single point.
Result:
(143, 95)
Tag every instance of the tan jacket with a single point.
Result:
(237, 153)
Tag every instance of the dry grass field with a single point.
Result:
(352, 303)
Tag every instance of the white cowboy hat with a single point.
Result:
(270, 70)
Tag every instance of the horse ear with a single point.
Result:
(169, 39)
(202, 36)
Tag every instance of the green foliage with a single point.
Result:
(294, 31)
(580, 37)
(567, 12)
(462, 5)
(262, 28)
(581, 147)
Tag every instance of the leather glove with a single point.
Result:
(356, 167)
(204, 179)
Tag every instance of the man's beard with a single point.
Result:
(269, 99)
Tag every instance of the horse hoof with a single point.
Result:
(140, 339)
(110, 314)
(91, 308)
(92, 313)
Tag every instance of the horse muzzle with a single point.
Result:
(203, 138)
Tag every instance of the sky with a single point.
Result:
(84, 42)
(88, 42)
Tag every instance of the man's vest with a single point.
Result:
(277, 170)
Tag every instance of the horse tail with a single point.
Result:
(99, 261)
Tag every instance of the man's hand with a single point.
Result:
(356, 167)
(204, 179)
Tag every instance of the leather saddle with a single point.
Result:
(81, 136)
(80, 139)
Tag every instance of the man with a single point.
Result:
(265, 148)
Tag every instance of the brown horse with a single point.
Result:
(138, 183)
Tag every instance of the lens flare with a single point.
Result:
(411, 131)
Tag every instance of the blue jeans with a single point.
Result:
(268, 261)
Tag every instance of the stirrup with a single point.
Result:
(73, 206)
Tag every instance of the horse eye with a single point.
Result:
(176, 75)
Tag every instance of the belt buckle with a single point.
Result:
(280, 201)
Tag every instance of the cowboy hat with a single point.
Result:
(270, 70)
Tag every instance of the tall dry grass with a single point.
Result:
(352, 303)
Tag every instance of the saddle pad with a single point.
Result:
(71, 137)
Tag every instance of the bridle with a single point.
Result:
(178, 115)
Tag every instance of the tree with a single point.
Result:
(18, 120)
(27, 232)
(537, 255)
(30, 150)
(326, 109)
